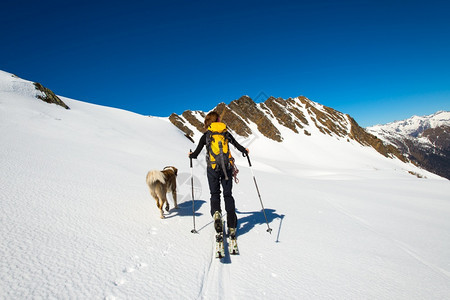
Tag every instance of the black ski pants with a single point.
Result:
(216, 178)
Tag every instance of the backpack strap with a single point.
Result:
(222, 161)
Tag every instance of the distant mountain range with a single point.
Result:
(424, 140)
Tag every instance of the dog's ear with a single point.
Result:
(175, 170)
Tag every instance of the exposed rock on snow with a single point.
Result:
(48, 96)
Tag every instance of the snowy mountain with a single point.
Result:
(77, 220)
(269, 119)
(413, 126)
(424, 140)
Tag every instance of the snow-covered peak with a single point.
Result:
(413, 126)
(424, 140)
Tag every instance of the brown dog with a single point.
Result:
(160, 183)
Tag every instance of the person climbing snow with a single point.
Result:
(220, 166)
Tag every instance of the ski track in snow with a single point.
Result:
(213, 280)
(216, 283)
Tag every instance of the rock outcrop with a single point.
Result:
(48, 96)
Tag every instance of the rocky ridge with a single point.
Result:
(300, 115)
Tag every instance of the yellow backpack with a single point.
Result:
(217, 146)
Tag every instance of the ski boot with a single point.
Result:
(232, 242)
(218, 226)
(232, 233)
(218, 222)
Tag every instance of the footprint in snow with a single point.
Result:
(119, 282)
(136, 265)
(140, 265)
(129, 270)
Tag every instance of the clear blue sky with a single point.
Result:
(378, 61)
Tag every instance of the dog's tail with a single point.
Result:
(154, 176)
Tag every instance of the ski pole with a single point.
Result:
(269, 230)
(192, 186)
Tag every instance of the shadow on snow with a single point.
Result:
(185, 209)
(251, 219)
(246, 220)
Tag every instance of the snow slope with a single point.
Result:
(77, 220)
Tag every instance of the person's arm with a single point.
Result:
(237, 145)
(199, 148)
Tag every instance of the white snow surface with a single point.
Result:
(77, 220)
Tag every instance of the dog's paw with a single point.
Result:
(177, 207)
(162, 217)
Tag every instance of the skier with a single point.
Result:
(219, 170)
